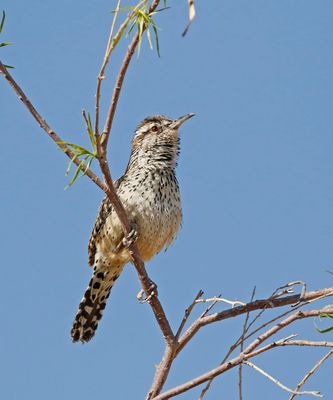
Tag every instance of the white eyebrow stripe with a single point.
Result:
(146, 127)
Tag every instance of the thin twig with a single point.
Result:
(288, 342)
(278, 383)
(240, 368)
(187, 313)
(102, 70)
(210, 306)
(218, 299)
(191, 12)
(112, 42)
(119, 82)
(311, 372)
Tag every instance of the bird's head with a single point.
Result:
(156, 142)
(157, 131)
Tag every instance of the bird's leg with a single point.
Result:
(144, 296)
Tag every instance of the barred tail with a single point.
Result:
(93, 304)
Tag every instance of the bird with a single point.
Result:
(150, 194)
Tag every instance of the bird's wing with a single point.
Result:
(103, 212)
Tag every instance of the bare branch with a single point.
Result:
(188, 313)
(311, 372)
(288, 342)
(163, 368)
(210, 307)
(285, 289)
(255, 305)
(249, 352)
(218, 299)
(278, 383)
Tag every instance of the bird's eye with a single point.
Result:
(154, 128)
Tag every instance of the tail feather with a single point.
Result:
(93, 304)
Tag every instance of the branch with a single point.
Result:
(287, 342)
(163, 369)
(273, 301)
(44, 125)
(249, 352)
(218, 299)
(286, 289)
(311, 372)
(255, 305)
(278, 383)
(188, 312)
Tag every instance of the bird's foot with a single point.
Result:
(144, 297)
(127, 241)
(130, 238)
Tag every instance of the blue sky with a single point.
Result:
(255, 172)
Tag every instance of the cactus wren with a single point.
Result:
(150, 194)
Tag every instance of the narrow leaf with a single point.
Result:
(70, 164)
(5, 44)
(149, 38)
(2, 20)
(78, 169)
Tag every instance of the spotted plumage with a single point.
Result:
(150, 194)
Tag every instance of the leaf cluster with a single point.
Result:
(143, 20)
(3, 44)
(79, 151)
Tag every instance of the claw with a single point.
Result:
(130, 238)
(127, 241)
(142, 296)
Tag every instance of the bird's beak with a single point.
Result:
(179, 121)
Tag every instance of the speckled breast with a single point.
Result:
(152, 200)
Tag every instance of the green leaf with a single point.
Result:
(70, 164)
(88, 166)
(330, 329)
(2, 20)
(149, 38)
(76, 149)
(91, 132)
(143, 20)
(79, 151)
(325, 315)
(76, 174)
(5, 44)
(156, 38)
